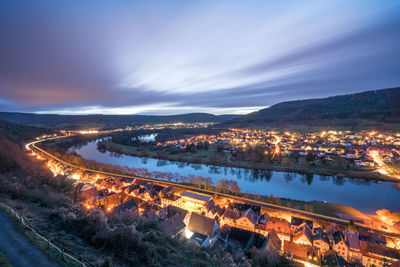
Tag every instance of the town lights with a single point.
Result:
(75, 176)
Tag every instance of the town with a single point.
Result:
(223, 222)
(363, 150)
(216, 222)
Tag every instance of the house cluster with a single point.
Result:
(175, 125)
(354, 146)
(221, 223)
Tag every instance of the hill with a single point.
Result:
(106, 121)
(371, 109)
(20, 133)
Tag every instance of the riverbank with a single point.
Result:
(222, 159)
(319, 207)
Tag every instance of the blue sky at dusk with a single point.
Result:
(172, 57)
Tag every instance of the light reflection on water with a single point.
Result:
(364, 195)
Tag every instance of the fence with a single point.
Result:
(64, 252)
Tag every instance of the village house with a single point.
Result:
(130, 189)
(126, 206)
(340, 245)
(248, 220)
(303, 235)
(281, 227)
(229, 217)
(296, 222)
(272, 242)
(301, 252)
(320, 240)
(202, 225)
(330, 230)
(116, 186)
(171, 200)
(112, 200)
(145, 206)
(87, 192)
(150, 195)
(211, 210)
(264, 218)
(170, 211)
(195, 199)
(240, 238)
(377, 255)
(372, 237)
(353, 241)
(173, 226)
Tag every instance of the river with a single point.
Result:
(364, 195)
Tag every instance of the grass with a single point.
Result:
(198, 156)
(4, 262)
(211, 157)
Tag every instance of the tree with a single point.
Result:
(234, 187)
(259, 152)
(309, 178)
(101, 147)
(352, 226)
(220, 147)
(271, 198)
(206, 144)
(310, 156)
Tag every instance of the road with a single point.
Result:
(18, 250)
(384, 168)
(245, 200)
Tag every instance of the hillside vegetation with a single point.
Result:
(21, 133)
(362, 110)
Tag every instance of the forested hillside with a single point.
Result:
(375, 108)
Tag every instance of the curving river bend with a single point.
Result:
(366, 196)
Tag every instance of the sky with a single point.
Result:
(174, 57)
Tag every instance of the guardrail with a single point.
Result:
(64, 252)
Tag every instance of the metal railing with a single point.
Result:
(64, 252)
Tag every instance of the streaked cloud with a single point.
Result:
(171, 57)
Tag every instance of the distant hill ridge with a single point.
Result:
(106, 121)
(371, 109)
(379, 106)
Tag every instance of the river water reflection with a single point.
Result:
(364, 195)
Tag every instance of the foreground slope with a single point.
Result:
(362, 110)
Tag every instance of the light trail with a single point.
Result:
(383, 168)
(278, 139)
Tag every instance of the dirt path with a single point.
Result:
(18, 250)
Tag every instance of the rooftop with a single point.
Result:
(196, 196)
